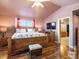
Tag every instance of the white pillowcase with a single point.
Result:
(30, 30)
(20, 30)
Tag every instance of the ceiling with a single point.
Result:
(23, 8)
(64, 2)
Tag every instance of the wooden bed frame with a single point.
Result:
(21, 44)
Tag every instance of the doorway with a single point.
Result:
(76, 32)
(64, 37)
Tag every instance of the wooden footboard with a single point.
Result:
(21, 44)
(3, 41)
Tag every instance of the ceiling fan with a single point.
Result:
(38, 3)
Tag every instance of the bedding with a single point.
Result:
(18, 35)
(21, 40)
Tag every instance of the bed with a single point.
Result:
(20, 41)
(27, 35)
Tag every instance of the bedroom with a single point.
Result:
(20, 16)
(18, 29)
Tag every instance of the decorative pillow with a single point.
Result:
(17, 30)
(23, 30)
(20, 30)
(30, 30)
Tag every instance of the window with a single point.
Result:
(25, 23)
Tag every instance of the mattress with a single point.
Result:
(27, 35)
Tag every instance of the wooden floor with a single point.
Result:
(3, 52)
(27, 56)
(48, 53)
(51, 52)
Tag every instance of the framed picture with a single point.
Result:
(51, 25)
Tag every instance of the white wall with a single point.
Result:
(7, 21)
(76, 21)
(39, 23)
(65, 11)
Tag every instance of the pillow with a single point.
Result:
(20, 30)
(23, 30)
(17, 30)
(30, 30)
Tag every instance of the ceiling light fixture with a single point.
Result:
(38, 3)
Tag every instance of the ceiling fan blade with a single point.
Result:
(43, 0)
(39, 0)
(33, 5)
(38, 4)
(31, 0)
